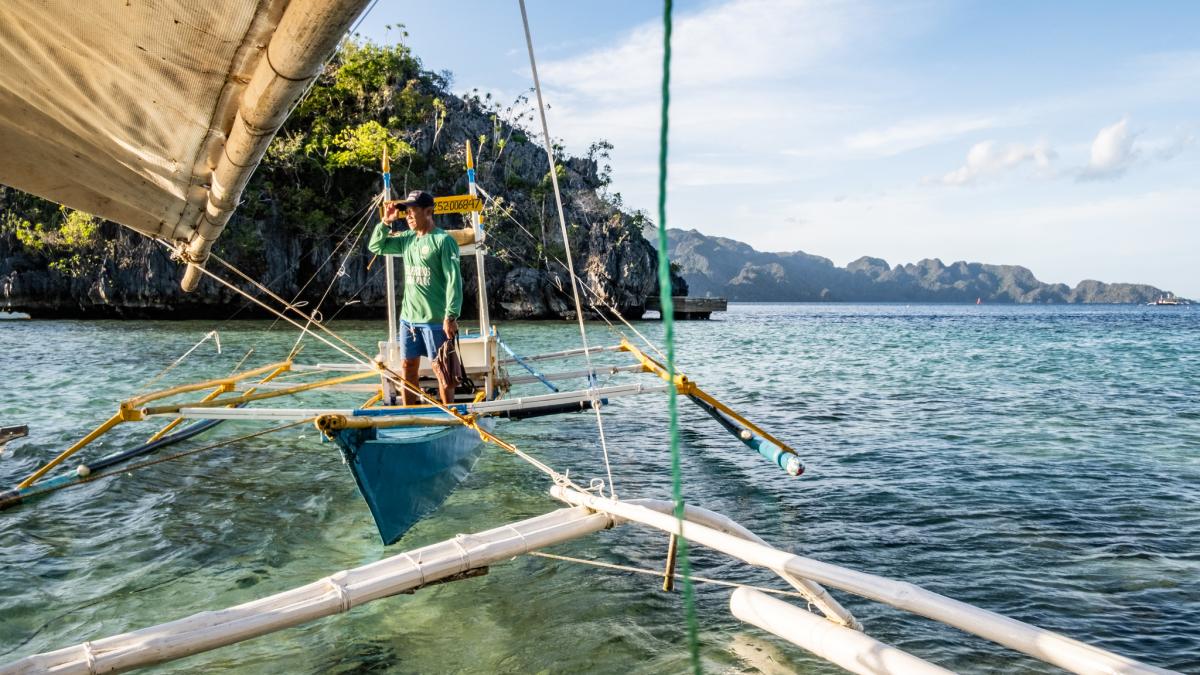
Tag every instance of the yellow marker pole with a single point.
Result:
(96, 433)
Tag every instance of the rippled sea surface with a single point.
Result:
(1039, 462)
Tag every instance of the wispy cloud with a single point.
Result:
(914, 134)
(749, 81)
(1169, 148)
(991, 158)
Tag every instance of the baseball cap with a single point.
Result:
(417, 198)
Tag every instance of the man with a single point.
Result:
(432, 285)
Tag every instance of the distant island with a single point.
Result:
(716, 266)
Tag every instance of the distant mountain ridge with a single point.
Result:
(716, 266)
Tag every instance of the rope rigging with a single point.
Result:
(362, 219)
(562, 223)
(362, 358)
(314, 325)
(607, 306)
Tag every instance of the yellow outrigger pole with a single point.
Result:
(136, 410)
(781, 454)
(131, 411)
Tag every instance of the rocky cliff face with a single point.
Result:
(300, 230)
(724, 267)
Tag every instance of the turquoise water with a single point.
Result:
(1043, 462)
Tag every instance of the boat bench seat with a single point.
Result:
(470, 350)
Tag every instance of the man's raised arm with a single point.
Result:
(383, 244)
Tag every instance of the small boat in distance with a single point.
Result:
(1168, 300)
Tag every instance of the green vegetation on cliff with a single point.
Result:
(313, 187)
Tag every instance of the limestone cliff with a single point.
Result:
(297, 230)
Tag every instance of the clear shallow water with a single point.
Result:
(1040, 462)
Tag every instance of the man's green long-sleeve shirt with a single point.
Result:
(432, 279)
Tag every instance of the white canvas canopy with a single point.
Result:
(154, 113)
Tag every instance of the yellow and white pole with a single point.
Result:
(389, 265)
(485, 324)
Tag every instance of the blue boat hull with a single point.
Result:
(406, 473)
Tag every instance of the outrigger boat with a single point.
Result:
(241, 68)
(1168, 300)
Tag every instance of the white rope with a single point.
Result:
(463, 553)
(361, 226)
(593, 292)
(342, 593)
(416, 564)
(562, 223)
(559, 479)
(89, 657)
(270, 309)
(212, 334)
(524, 542)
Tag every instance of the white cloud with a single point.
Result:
(1112, 152)
(990, 158)
(914, 134)
(749, 82)
(723, 45)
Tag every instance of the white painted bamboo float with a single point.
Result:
(483, 408)
(449, 559)
(334, 367)
(850, 649)
(330, 595)
(548, 356)
(564, 354)
(574, 374)
(1039, 643)
(518, 379)
(811, 590)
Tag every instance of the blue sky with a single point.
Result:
(1059, 136)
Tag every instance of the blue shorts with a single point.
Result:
(420, 339)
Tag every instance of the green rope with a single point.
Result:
(668, 320)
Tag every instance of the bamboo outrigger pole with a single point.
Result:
(131, 411)
(781, 454)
